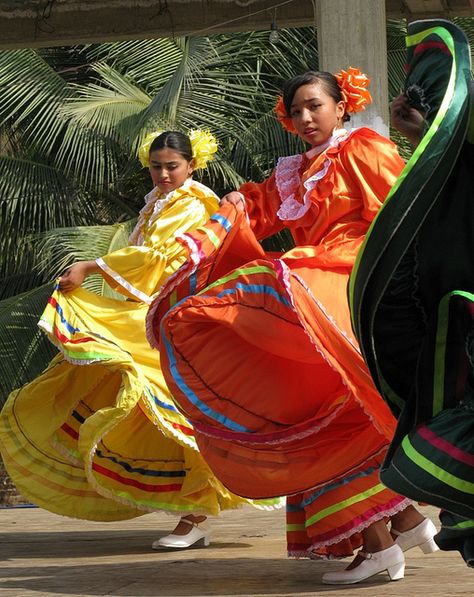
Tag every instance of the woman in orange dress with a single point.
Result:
(258, 349)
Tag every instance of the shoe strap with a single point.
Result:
(365, 554)
(397, 533)
(191, 523)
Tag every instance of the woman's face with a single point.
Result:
(169, 169)
(315, 114)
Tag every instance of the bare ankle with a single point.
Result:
(407, 519)
(377, 537)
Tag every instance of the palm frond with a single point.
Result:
(255, 150)
(58, 249)
(27, 83)
(32, 94)
(149, 63)
(34, 190)
(90, 157)
(24, 350)
(220, 175)
(107, 106)
(34, 197)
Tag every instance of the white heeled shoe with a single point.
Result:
(391, 559)
(420, 536)
(199, 533)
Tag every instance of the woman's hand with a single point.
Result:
(76, 275)
(233, 198)
(406, 119)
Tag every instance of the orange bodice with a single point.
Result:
(335, 194)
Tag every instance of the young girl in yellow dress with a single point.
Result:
(96, 435)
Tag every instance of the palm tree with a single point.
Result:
(71, 120)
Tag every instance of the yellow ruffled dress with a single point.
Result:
(97, 435)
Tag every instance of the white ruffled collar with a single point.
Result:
(336, 136)
(147, 213)
(287, 177)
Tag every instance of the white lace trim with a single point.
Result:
(288, 178)
(48, 329)
(323, 309)
(388, 513)
(350, 340)
(281, 440)
(284, 274)
(309, 553)
(337, 135)
(136, 238)
(172, 282)
(141, 296)
(156, 415)
(160, 201)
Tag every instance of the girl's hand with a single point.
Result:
(406, 119)
(76, 275)
(233, 198)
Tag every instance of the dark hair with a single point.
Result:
(327, 80)
(174, 140)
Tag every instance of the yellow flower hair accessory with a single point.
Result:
(203, 145)
(144, 149)
(353, 85)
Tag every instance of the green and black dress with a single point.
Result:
(412, 291)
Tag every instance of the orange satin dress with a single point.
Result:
(259, 352)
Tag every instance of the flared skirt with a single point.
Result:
(97, 435)
(263, 361)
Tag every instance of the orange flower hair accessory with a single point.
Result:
(283, 117)
(353, 84)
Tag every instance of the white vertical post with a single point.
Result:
(353, 33)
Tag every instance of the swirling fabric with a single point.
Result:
(259, 353)
(97, 436)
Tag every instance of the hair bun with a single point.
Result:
(353, 85)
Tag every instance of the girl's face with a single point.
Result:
(315, 114)
(169, 169)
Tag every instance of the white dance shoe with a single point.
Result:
(199, 534)
(391, 559)
(420, 536)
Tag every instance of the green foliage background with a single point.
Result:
(71, 119)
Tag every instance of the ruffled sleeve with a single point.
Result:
(346, 193)
(139, 271)
(262, 203)
(374, 162)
